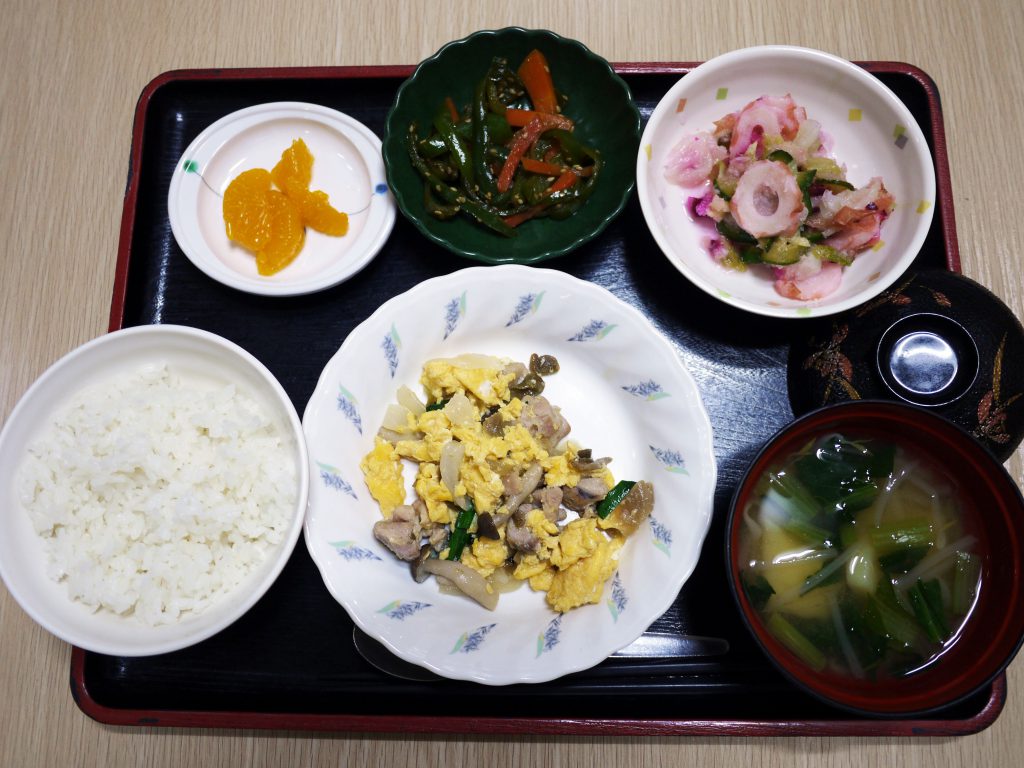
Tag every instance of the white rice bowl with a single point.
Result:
(155, 481)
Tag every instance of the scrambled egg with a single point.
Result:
(571, 564)
(383, 472)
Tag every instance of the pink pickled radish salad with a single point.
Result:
(772, 195)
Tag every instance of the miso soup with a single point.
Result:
(859, 558)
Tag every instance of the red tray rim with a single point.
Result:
(288, 721)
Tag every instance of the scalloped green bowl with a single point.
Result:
(600, 104)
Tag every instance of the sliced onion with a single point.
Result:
(450, 464)
(468, 581)
(460, 410)
(409, 400)
(391, 436)
(396, 418)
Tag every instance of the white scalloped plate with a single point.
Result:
(874, 134)
(626, 394)
(347, 165)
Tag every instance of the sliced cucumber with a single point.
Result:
(785, 250)
(730, 229)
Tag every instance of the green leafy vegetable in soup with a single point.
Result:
(858, 558)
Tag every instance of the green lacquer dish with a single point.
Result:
(600, 104)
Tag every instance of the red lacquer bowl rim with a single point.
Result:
(995, 631)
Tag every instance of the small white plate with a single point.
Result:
(873, 134)
(347, 165)
(624, 391)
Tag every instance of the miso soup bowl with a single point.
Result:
(990, 636)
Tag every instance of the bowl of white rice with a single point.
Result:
(153, 483)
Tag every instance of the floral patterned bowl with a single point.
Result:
(871, 131)
(625, 392)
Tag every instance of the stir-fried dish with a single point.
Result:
(859, 557)
(776, 197)
(507, 157)
(500, 497)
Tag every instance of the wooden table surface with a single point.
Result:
(70, 74)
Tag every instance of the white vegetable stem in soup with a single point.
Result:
(500, 496)
(859, 557)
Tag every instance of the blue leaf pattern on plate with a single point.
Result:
(673, 460)
(648, 390)
(401, 610)
(391, 344)
(470, 641)
(618, 600)
(662, 536)
(332, 479)
(594, 330)
(528, 302)
(549, 638)
(454, 311)
(347, 405)
(350, 550)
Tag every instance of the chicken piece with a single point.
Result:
(586, 493)
(550, 499)
(518, 534)
(400, 534)
(543, 421)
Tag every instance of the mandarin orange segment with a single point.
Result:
(289, 234)
(272, 222)
(318, 213)
(246, 217)
(294, 170)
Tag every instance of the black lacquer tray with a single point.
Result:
(290, 662)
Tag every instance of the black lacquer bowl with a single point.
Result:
(935, 339)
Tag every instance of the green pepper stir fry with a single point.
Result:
(509, 156)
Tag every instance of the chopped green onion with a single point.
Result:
(926, 617)
(438, 405)
(614, 496)
(758, 590)
(965, 581)
(894, 537)
(460, 533)
(790, 637)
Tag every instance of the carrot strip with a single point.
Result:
(518, 218)
(564, 181)
(451, 109)
(536, 76)
(538, 166)
(520, 117)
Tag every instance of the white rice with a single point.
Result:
(155, 495)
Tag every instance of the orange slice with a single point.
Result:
(294, 170)
(246, 217)
(288, 234)
(318, 213)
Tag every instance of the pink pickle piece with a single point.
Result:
(807, 280)
(691, 160)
